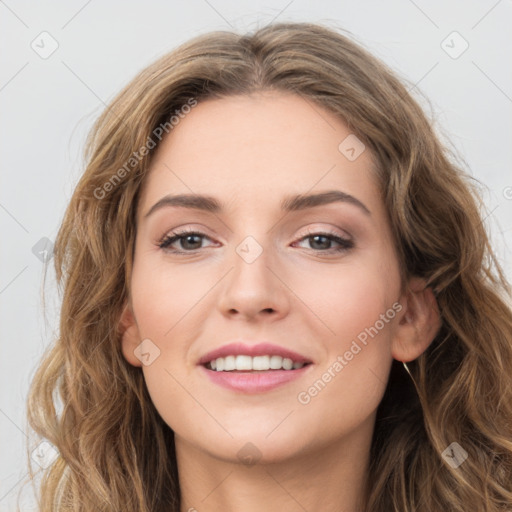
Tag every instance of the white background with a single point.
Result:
(48, 105)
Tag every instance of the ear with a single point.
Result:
(419, 323)
(130, 336)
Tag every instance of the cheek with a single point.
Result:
(163, 295)
(349, 299)
(168, 305)
(345, 390)
(356, 307)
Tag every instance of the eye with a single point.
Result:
(322, 242)
(190, 241)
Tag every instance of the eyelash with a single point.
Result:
(167, 241)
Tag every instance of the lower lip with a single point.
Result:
(254, 382)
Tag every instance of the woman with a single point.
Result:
(278, 295)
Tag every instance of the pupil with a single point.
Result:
(188, 239)
(326, 241)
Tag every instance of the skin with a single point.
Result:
(250, 152)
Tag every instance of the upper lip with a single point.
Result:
(258, 349)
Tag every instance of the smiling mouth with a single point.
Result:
(245, 363)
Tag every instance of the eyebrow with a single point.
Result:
(289, 204)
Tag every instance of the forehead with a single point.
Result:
(255, 149)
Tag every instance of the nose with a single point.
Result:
(254, 290)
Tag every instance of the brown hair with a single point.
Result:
(116, 453)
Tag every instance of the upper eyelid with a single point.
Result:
(310, 230)
(329, 231)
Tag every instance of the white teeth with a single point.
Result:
(260, 363)
(229, 363)
(287, 364)
(243, 362)
(276, 362)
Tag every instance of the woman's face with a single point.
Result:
(291, 257)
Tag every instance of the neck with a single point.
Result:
(330, 478)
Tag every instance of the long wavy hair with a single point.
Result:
(115, 451)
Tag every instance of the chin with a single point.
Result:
(251, 447)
